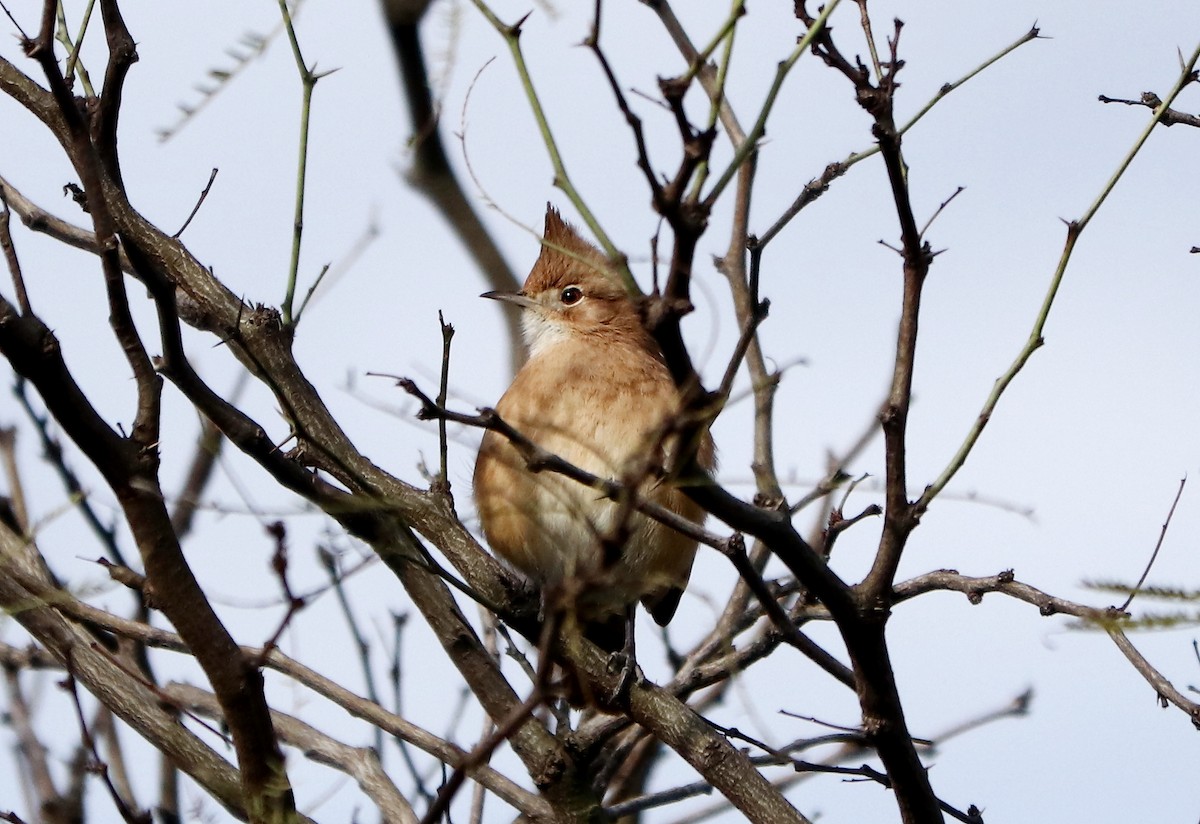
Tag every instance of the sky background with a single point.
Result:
(1093, 437)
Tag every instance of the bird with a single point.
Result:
(596, 392)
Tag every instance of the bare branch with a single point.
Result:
(1168, 116)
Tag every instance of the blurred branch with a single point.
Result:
(395, 673)
(35, 604)
(250, 46)
(360, 763)
(362, 648)
(96, 764)
(30, 751)
(106, 730)
(359, 707)
(431, 173)
(332, 272)
(52, 452)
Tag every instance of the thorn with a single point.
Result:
(515, 29)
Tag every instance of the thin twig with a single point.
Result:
(539, 460)
(10, 257)
(819, 185)
(52, 451)
(634, 122)
(735, 551)
(442, 483)
(98, 766)
(73, 48)
(941, 207)
(1157, 546)
(395, 671)
(745, 339)
(308, 81)
(717, 103)
(329, 562)
(200, 202)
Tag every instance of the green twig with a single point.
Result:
(308, 80)
(717, 96)
(73, 48)
(1034, 341)
(723, 35)
(870, 37)
(750, 144)
(1032, 34)
(512, 36)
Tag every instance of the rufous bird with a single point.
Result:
(596, 392)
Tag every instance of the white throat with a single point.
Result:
(542, 333)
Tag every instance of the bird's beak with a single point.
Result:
(515, 298)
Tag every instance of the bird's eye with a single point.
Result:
(571, 295)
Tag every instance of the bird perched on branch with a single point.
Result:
(596, 393)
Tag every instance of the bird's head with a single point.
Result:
(572, 291)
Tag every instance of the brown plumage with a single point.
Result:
(595, 392)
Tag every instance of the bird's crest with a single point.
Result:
(566, 257)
